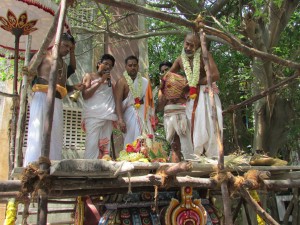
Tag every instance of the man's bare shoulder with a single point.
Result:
(121, 82)
(177, 65)
(91, 75)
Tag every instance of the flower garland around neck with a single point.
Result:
(192, 75)
(136, 92)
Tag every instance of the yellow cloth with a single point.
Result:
(44, 88)
(255, 196)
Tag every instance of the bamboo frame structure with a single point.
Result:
(174, 175)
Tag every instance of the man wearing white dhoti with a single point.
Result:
(198, 107)
(38, 106)
(134, 102)
(172, 98)
(98, 109)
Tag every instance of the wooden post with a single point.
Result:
(288, 212)
(52, 85)
(237, 209)
(296, 206)
(224, 187)
(17, 32)
(25, 213)
(247, 212)
(44, 167)
(22, 111)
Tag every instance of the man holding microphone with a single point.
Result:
(98, 109)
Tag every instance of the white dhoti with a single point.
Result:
(98, 133)
(175, 121)
(204, 137)
(136, 122)
(36, 129)
(98, 114)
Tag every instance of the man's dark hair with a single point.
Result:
(106, 57)
(165, 63)
(68, 37)
(131, 57)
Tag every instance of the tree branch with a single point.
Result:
(259, 210)
(217, 6)
(230, 39)
(262, 94)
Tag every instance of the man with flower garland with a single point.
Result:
(198, 109)
(134, 102)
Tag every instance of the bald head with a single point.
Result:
(191, 44)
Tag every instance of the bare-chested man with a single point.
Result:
(98, 109)
(38, 103)
(198, 105)
(134, 102)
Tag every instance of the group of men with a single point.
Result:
(128, 104)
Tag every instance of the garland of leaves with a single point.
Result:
(136, 92)
(192, 75)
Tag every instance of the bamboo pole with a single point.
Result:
(224, 187)
(42, 193)
(259, 210)
(22, 112)
(52, 85)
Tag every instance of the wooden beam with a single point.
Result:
(10, 185)
(11, 188)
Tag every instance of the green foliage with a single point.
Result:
(162, 48)
(6, 69)
(235, 87)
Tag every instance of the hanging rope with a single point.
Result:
(34, 179)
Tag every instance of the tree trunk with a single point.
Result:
(143, 44)
(265, 36)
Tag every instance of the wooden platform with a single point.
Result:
(75, 177)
